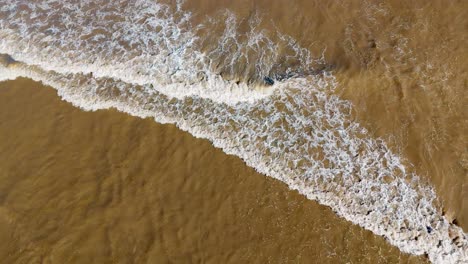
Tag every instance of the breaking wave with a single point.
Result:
(253, 93)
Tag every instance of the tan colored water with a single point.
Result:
(104, 187)
(403, 65)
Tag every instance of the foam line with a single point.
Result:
(148, 60)
(144, 43)
(302, 136)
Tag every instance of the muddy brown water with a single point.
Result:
(403, 65)
(105, 187)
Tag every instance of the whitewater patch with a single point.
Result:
(148, 60)
(151, 45)
(301, 135)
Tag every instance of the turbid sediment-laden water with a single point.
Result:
(253, 89)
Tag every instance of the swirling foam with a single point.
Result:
(300, 133)
(144, 43)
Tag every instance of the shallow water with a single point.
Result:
(269, 83)
(105, 187)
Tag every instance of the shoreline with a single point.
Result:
(98, 150)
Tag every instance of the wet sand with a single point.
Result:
(105, 187)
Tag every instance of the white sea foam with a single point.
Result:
(299, 132)
(301, 136)
(140, 42)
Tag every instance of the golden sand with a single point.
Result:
(105, 187)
